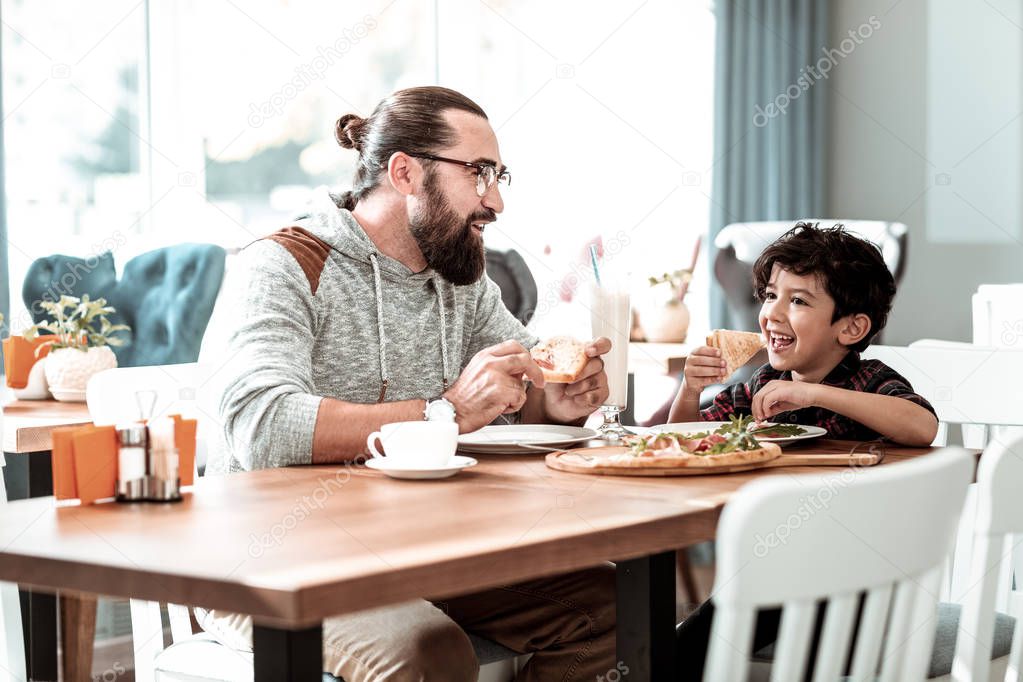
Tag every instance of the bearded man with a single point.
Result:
(374, 308)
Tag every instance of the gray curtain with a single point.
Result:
(770, 118)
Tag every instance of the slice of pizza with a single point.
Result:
(562, 359)
(736, 347)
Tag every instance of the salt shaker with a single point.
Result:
(131, 463)
(164, 481)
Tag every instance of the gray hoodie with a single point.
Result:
(320, 312)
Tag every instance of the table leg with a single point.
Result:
(30, 475)
(77, 634)
(646, 617)
(39, 620)
(287, 655)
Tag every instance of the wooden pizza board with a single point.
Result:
(584, 461)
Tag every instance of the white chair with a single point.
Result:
(881, 533)
(999, 516)
(998, 315)
(114, 397)
(970, 387)
(12, 646)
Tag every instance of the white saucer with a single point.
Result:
(457, 463)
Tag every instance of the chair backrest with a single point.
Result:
(795, 541)
(518, 288)
(965, 384)
(166, 296)
(182, 389)
(998, 316)
(999, 516)
(739, 244)
(51, 277)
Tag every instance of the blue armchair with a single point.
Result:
(166, 296)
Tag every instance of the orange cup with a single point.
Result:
(20, 356)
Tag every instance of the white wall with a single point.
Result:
(925, 130)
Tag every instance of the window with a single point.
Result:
(71, 108)
(604, 117)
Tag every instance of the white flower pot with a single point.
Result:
(68, 370)
(665, 322)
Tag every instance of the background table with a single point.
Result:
(293, 546)
(28, 473)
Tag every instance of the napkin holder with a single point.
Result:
(85, 462)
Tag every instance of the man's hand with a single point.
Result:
(781, 396)
(491, 384)
(566, 403)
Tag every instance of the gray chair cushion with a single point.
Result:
(944, 640)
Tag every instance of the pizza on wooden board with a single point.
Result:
(736, 347)
(561, 358)
(729, 445)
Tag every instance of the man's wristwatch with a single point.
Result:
(439, 410)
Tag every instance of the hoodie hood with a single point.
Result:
(325, 219)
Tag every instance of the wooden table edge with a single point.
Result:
(310, 605)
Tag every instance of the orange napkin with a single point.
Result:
(20, 356)
(63, 459)
(184, 439)
(95, 455)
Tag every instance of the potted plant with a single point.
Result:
(82, 337)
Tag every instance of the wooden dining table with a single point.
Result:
(293, 546)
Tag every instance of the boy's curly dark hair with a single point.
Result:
(850, 269)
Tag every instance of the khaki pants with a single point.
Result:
(567, 622)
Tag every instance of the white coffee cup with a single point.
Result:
(416, 444)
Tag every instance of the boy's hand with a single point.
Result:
(781, 396)
(704, 367)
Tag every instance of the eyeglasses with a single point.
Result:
(486, 174)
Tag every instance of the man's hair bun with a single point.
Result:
(348, 131)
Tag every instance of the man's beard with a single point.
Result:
(450, 246)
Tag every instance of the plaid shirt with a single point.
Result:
(869, 376)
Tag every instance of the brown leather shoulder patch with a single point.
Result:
(310, 251)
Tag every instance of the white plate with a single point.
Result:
(516, 439)
(457, 463)
(68, 395)
(690, 427)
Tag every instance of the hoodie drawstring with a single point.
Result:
(384, 381)
(378, 290)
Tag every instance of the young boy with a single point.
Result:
(825, 294)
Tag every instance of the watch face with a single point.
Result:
(440, 410)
